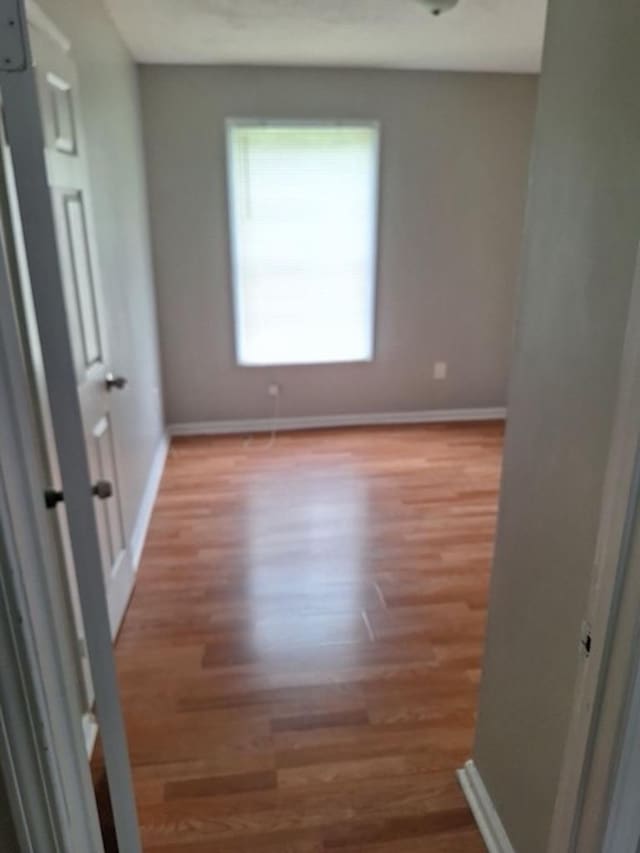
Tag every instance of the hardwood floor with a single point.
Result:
(300, 659)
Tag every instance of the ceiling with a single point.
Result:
(479, 35)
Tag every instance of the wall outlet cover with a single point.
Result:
(440, 370)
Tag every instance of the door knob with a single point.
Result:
(52, 497)
(113, 381)
(102, 489)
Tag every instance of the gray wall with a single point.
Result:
(455, 150)
(111, 114)
(581, 239)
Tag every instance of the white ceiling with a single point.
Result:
(479, 35)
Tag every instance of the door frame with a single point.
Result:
(622, 830)
(611, 568)
(25, 138)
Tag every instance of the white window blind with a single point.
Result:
(303, 209)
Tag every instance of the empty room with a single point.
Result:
(318, 460)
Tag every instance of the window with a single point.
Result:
(302, 204)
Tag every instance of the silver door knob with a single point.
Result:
(102, 489)
(113, 381)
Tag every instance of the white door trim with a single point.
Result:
(620, 496)
(623, 819)
(487, 818)
(24, 133)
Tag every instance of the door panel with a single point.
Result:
(84, 296)
(63, 124)
(110, 525)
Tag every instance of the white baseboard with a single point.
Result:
(90, 731)
(143, 518)
(489, 823)
(328, 421)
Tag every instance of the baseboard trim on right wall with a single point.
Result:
(480, 803)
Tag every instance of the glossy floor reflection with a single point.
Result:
(300, 660)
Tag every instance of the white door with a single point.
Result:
(54, 207)
(84, 299)
(17, 262)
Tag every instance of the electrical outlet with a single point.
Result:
(440, 370)
(273, 390)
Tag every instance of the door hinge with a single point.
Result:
(586, 639)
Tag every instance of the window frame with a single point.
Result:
(233, 122)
